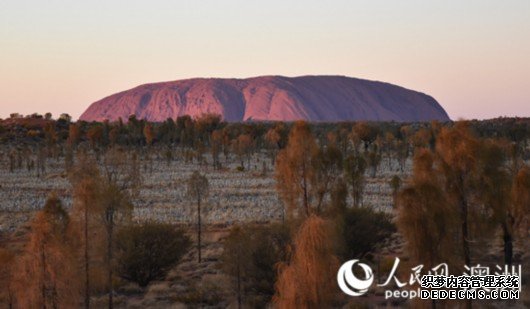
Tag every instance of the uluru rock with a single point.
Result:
(312, 98)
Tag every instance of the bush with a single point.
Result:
(147, 252)
(363, 229)
(250, 256)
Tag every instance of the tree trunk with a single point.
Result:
(304, 188)
(248, 161)
(43, 285)
(464, 226)
(465, 234)
(238, 285)
(109, 257)
(199, 227)
(10, 295)
(54, 298)
(87, 280)
(508, 244)
(465, 241)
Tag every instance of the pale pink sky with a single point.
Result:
(60, 56)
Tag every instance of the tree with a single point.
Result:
(68, 158)
(388, 147)
(427, 220)
(242, 148)
(95, 135)
(168, 154)
(101, 205)
(344, 138)
(457, 172)
(456, 153)
(215, 147)
(198, 190)
(12, 160)
(149, 134)
(236, 256)
(114, 134)
(395, 183)
(166, 132)
(41, 161)
(366, 133)
(327, 165)
(493, 186)
(338, 197)
(295, 174)
(7, 261)
(116, 210)
(85, 180)
(50, 134)
(250, 256)
(46, 273)
(354, 168)
(205, 124)
(73, 134)
(362, 229)
(186, 129)
(402, 153)
(521, 196)
(273, 138)
(123, 170)
(226, 143)
(146, 252)
(65, 117)
(426, 217)
(308, 280)
(421, 138)
(373, 158)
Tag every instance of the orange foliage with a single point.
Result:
(45, 273)
(294, 169)
(308, 280)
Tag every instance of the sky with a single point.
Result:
(472, 56)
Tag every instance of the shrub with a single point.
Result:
(147, 252)
(363, 229)
(250, 256)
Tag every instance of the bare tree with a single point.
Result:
(198, 190)
(216, 143)
(85, 180)
(354, 168)
(116, 210)
(242, 147)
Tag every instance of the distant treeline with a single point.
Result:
(194, 132)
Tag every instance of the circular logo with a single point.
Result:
(352, 285)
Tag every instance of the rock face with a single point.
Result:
(312, 98)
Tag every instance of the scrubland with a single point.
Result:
(355, 190)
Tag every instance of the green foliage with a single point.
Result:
(147, 252)
(250, 256)
(362, 229)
